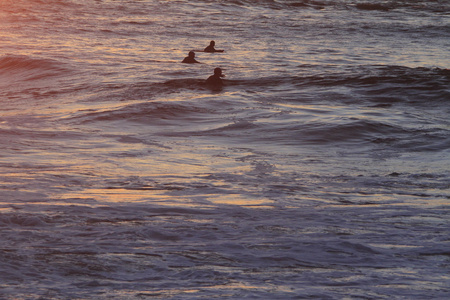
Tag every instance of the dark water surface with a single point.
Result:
(320, 170)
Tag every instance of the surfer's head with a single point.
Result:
(191, 54)
(218, 72)
(212, 43)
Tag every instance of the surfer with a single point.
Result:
(211, 48)
(215, 80)
(190, 59)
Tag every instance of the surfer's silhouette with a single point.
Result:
(211, 48)
(190, 59)
(215, 80)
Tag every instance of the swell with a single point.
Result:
(24, 67)
(391, 83)
(361, 75)
(284, 4)
(361, 133)
(388, 135)
(148, 113)
(420, 5)
(370, 75)
(364, 5)
(358, 131)
(379, 86)
(368, 85)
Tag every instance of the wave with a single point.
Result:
(352, 130)
(283, 4)
(23, 67)
(149, 113)
(347, 132)
(361, 75)
(379, 85)
(21, 220)
(419, 5)
(375, 6)
(385, 6)
(367, 5)
(375, 74)
(373, 81)
(316, 132)
(377, 132)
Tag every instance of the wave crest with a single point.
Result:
(29, 68)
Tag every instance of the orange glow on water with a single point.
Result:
(161, 197)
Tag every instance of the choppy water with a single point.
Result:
(320, 170)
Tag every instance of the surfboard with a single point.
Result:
(220, 51)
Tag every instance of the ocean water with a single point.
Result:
(321, 169)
